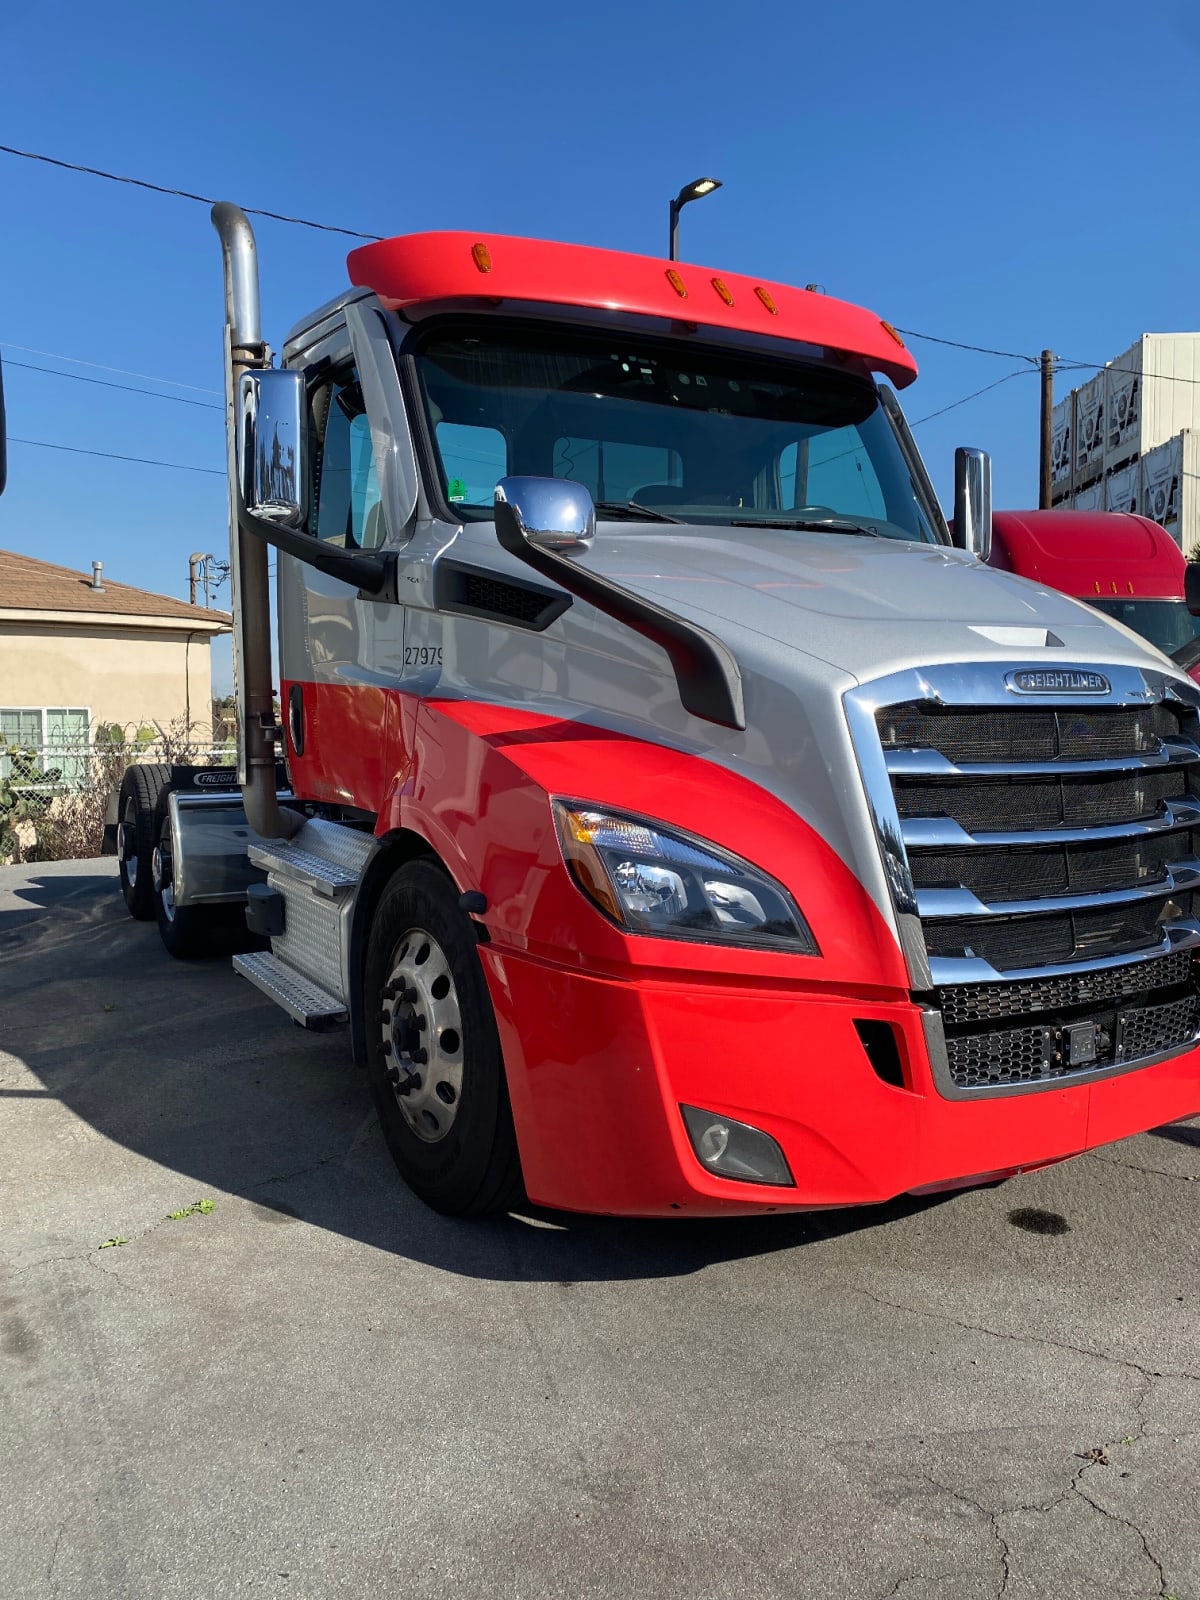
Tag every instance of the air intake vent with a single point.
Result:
(473, 593)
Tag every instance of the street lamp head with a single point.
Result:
(696, 190)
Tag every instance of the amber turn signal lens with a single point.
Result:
(888, 329)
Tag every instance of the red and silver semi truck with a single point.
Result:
(680, 822)
(1126, 566)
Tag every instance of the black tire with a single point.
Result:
(191, 932)
(138, 805)
(465, 1161)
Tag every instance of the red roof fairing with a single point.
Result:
(422, 268)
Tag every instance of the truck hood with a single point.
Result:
(914, 602)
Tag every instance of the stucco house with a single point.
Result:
(78, 651)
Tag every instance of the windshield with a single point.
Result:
(686, 433)
(1166, 623)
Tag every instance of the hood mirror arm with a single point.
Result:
(706, 671)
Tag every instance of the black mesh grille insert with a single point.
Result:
(1039, 940)
(1054, 1048)
(1006, 736)
(988, 1002)
(503, 599)
(996, 875)
(999, 805)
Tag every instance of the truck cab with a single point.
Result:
(1124, 565)
(678, 819)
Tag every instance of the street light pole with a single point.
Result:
(690, 191)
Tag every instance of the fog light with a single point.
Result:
(735, 1149)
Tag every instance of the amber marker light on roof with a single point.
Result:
(767, 301)
(677, 283)
(722, 289)
(888, 329)
(482, 257)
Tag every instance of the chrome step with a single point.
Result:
(322, 876)
(303, 1000)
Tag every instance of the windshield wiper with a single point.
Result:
(635, 509)
(803, 525)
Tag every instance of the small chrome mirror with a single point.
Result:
(973, 502)
(554, 513)
(272, 469)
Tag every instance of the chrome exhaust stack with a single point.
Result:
(256, 727)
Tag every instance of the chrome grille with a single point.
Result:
(1044, 862)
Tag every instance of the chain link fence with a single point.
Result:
(53, 797)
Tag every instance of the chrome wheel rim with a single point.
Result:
(128, 855)
(160, 870)
(422, 1036)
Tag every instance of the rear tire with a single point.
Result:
(141, 790)
(433, 1053)
(191, 932)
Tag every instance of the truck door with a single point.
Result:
(338, 651)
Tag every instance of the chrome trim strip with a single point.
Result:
(981, 683)
(949, 971)
(923, 833)
(932, 764)
(944, 904)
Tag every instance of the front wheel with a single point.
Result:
(433, 1054)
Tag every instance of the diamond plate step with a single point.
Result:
(299, 996)
(302, 866)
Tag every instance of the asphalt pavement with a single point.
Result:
(315, 1388)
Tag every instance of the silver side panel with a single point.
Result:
(210, 840)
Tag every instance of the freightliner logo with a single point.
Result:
(1058, 680)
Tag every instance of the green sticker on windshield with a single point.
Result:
(456, 489)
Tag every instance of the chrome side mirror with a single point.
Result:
(552, 513)
(271, 455)
(973, 502)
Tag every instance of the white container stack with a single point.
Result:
(1122, 489)
(1089, 430)
(1129, 438)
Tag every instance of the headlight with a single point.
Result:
(651, 879)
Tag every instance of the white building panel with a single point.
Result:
(1123, 406)
(1122, 489)
(1062, 460)
(1089, 499)
(1089, 429)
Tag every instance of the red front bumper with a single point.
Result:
(599, 1067)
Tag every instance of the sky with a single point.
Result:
(1013, 177)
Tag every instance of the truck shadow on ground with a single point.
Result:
(185, 1065)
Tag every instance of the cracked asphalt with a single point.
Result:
(319, 1389)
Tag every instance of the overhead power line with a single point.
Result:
(1021, 372)
(77, 361)
(106, 383)
(181, 194)
(110, 455)
(957, 344)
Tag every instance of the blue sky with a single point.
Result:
(1011, 176)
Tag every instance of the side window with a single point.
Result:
(832, 469)
(345, 481)
(474, 459)
(618, 471)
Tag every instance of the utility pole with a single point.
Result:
(195, 565)
(1047, 475)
